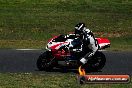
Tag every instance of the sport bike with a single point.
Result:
(58, 54)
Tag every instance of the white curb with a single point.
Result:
(41, 49)
(27, 49)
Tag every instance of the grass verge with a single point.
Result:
(65, 80)
(21, 44)
(123, 43)
(37, 20)
(117, 44)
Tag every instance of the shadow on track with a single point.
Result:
(56, 70)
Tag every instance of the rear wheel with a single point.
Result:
(97, 62)
(45, 62)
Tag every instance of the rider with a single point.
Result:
(88, 41)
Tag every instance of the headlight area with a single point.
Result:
(47, 48)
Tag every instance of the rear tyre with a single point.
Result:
(96, 63)
(43, 62)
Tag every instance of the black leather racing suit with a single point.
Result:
(90, 42)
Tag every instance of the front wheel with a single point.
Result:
(44, 62)
(97, 62)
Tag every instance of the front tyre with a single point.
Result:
(43, 62)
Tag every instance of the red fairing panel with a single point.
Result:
(103, 42)
(52, 38)
(57, 45)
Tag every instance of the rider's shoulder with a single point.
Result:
(88, 30)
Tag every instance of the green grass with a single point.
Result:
(121, 43)
(38, 20)
(9, 44)
(30, 23)
(65, 80)
(117, 44)
(31, 19)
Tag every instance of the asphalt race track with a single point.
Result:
(16, 61)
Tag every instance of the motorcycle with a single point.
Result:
(59, 55)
